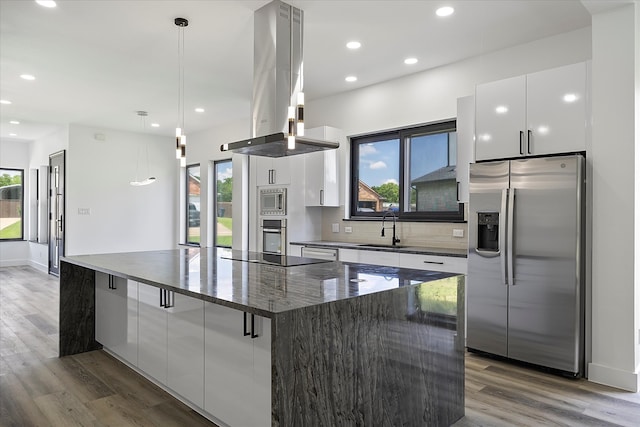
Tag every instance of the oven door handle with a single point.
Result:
(272, 230)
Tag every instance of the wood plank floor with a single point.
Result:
(92, 389)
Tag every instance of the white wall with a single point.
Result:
(616, 89)
(123, 218)
(15, 155)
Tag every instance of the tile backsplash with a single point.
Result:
(425, 234)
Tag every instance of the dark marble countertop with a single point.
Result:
(264, 289)
(421, 250)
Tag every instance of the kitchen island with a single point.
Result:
(325, 343)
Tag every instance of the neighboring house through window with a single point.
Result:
(224, 202)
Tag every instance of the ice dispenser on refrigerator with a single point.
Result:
(488, 231)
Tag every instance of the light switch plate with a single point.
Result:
(458, 232)
(335, 227)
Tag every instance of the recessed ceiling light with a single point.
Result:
(351, 79)
(155, 125)
(13, 134)
(199, 110)
(354, 45)
(14, 122)
(411, 61)
(27, 77)
(570, 97)
(444, 11)
(501, 109)
(5, 101)
(46, 3)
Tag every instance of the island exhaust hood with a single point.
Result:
(277, 83)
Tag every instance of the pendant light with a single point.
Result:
(181, 138)
(150, 179)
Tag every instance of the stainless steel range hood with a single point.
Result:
(277, 80)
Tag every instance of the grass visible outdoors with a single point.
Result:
(224, 239)
(13, 231)
(440, 296)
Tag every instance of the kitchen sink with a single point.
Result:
(381, 245)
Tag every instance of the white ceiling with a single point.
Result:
(97, 62)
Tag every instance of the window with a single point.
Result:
(193, 204)
(11, 204)
(411, 172)
(224, 198)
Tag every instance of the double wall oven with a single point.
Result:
(273, 223)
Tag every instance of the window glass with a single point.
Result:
(11, 204)
(224, 199)
(411, 172)
(193, 204)
(378, 176)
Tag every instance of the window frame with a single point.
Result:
(216, 163)
(21, 238)
(187, 226)
(403, 135)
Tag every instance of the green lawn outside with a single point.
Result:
(440, 296)
(225, 221)
(14, 231)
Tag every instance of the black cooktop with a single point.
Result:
(272, 259)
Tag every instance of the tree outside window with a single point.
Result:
(11, 204)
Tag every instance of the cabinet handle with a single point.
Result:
(273, 176)
(521, 141)
(166, 298)
(161, 299)
(171, 299)
(244, 325)
(253, 327)
(321, 197)
(529, 138)
(112, 282)
(433, 262)
(457, 191)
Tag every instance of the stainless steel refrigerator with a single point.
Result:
(525, 285)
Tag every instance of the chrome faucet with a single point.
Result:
(394, 239)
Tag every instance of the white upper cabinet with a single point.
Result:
(557, 110)
(465, 125)
(500, 118)
(272, 171)
(537, 114)
(321, 169)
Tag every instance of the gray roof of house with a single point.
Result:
(442, 174)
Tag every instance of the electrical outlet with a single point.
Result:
(458, 232)
(335, 227)
(348, 229)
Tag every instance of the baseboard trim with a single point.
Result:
(13, 262)
(614, 377)
(40, 267)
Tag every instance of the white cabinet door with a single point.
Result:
(349, 255)
(152, 333)
(321, 179)
(434, 262)
(125, 344)
(117, 316)
(270, 171)
(185, 341)
(260, 411)
(465, 127)
(295, 250)
(228, 365)
(500, 118)
(556, 110)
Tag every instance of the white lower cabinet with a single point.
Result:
(387, 258)
(116, 303)
(152, 333)
(447, 264)
(185, 344)
(237, 375)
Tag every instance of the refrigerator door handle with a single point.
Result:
(502, 230)
(510, 262)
